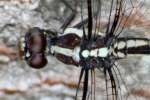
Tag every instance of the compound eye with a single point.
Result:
(32, 47)
(36, 40)
(37, 61)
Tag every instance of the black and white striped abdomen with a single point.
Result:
(124, 47)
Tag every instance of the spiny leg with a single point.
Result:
(90, 20)
(68, 5)
(69, 19)
(82, 19)
(80, 78)
(105, 75)
(117, 80)
(108, 71)
(119, 73)
(81, 24)
(91, 92)
(85, 86)
(92, 84)
(113, 84)
(112, 62)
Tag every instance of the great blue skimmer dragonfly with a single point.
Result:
(97, 42)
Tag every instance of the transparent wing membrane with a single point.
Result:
(114, 16)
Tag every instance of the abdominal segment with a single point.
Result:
(125, 47)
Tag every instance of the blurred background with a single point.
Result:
(57, 81)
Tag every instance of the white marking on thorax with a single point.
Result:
(64, 51)
(79, 32)
(85, 53)
(101, 52)
(74, 53)
(94, 53)
(74, 30)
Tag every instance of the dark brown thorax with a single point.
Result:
(71, 41)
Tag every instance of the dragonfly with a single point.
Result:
(97, 42)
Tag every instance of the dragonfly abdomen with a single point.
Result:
(125, 47)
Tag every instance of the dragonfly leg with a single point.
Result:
(69, 19)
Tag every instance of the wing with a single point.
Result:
(115, 17)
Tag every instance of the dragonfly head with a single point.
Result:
(32, 48)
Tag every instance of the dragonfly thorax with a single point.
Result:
(99, 52)
(71, 48)
(92, 52)
(94, 48)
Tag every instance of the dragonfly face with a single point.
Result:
(33, 47)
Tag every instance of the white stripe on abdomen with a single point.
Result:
(121, 47)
